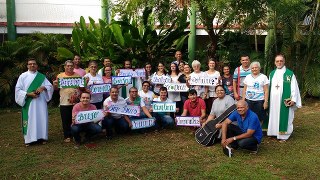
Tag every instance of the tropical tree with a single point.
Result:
(138, 40)
(294, 30)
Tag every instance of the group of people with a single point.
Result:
(251, 90)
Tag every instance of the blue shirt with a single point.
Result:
(251, 121)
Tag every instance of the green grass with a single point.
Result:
(168, 154)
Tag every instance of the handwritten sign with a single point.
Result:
(188, 121)
(133, 73)
(121, 80)
(100, 88)
(204, 81)
(130, 110)
(176, 87)
(160, 79)
(71, 82)
(164, 107)
(89, 116)
(142, 123)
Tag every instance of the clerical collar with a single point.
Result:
(32, 72)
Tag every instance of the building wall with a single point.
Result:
(50, 12)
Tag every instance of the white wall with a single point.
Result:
(51, 11)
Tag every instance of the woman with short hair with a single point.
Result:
(256, 91)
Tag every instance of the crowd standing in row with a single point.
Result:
(247, 86)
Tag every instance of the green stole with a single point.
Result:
(286, 94)
(124, 88)
(137, 101)
(36, 83)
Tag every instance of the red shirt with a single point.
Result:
(194, 108)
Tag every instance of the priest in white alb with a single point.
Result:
(284, 100)
(32, 93)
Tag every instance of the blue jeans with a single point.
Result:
(163, 119)
(90, 129)
(121, 125)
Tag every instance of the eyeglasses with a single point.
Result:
(145, 85)
(133, 91)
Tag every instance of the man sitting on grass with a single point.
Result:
(194, 106)
(163, 118)
(248, 133)
(89, 128)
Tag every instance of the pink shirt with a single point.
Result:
(77, 108)
(80, 71)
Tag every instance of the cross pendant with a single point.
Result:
(277, 86)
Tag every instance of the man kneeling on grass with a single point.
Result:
(248, 133)
(89, 128)
(194, 106)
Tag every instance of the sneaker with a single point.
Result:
(228, 151)
(254, 151)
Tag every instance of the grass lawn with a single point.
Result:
(168, 154)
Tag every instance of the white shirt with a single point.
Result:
(255, 85)
(108, 102)
(95, 98)
(147, 97)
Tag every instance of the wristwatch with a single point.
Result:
(234, 138)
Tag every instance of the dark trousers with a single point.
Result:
(90, 129)
(121, 126)
(66, 118)
(98, 105)
(257, 107)
(247, 143)
(209, 102)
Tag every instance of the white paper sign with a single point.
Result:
(204, 81)
(99, 88)
(130, 110)
(164, 107)
(160, 79)
(133, 73)
(121, 80)
(89, 116)
(188, 121)
(71, 82)
(176, 87)
(142, 123)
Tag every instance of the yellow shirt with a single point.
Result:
(66, 93)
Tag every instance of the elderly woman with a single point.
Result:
(197, 73)
(256, 91)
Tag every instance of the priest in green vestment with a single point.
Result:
(284, 99)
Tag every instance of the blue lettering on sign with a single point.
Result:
(114, 109)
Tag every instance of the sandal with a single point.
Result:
(67, 140)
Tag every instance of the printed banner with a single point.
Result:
(121, 80)
(130, 110)
(176, 87)
(71, 82)
(133, 73)
(99, 88)
(204, 81)
(160, 79)
(89, 116)
(142, 123)
(188, 121)
(164, 107)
